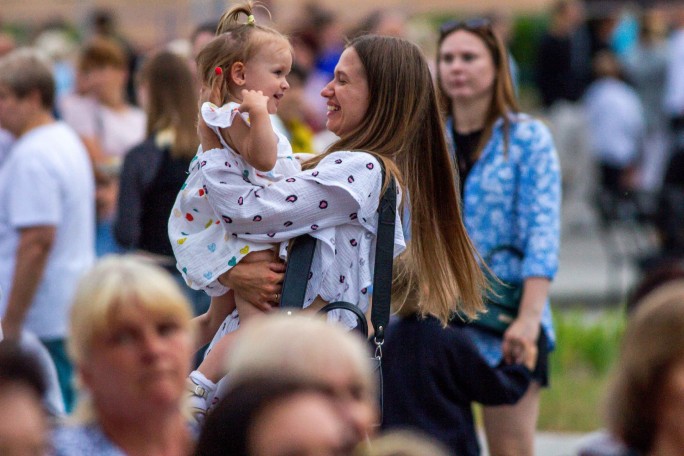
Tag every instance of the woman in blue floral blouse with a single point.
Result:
(510, 183)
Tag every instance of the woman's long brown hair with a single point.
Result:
(404, 129)
(172, 101)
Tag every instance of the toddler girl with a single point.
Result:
(245, 67)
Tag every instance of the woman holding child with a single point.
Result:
(383, 106)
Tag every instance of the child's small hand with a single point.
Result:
(253, 101)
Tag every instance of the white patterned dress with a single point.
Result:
(201, 245)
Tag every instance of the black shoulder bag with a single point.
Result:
(299, 260)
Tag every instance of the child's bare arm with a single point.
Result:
(256, 143)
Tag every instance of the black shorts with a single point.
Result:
(541, 372)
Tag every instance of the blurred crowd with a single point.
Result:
(608, 81)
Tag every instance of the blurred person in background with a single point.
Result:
(130, 340)
(46, 210)
(645, 66)
(61, 48)
(511, 191)
(154, 170)
(103, 24)
(674, 82)
(280, 346)
(616, 128)
(294, 112)
(273, 416)
(200, 36)
(562, 73)
(643, 403)
(326, 28)
(107, 124)
(385, 22)
(7, 44)
(24, 427)
(645, 400)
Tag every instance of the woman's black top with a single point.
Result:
(466, 148)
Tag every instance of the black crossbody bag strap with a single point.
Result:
(300, 256)
(384, 257)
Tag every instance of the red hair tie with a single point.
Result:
(218, 71)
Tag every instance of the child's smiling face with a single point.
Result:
(267, 71)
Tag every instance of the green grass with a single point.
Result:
(587, 346)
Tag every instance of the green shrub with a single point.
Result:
(587, 346)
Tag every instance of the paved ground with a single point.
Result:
(551, 444)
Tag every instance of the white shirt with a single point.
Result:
(615, 121)
(674, 82)
(6, 140)
(47, 181)
(336, 203)
(118, 131)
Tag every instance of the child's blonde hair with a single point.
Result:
(236, 41)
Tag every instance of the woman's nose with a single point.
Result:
(327, 90)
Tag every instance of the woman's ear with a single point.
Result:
(237, 73)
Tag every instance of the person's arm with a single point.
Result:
(127, 222)
(256, 143)
(539, 201)
(524, 331)
(35, 244)
(344, 188)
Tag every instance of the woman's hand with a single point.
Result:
(520, 339)
(523, 333)
(256, 279)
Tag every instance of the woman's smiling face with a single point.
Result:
(347, 94)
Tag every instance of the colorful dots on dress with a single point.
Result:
(291, 198)
(323, 204)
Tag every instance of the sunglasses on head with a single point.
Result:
(469, 24)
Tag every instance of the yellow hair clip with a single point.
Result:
(250, 20)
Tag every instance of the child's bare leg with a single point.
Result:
(213, 365)
(207, 324)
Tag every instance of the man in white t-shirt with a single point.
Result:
(46, 210)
